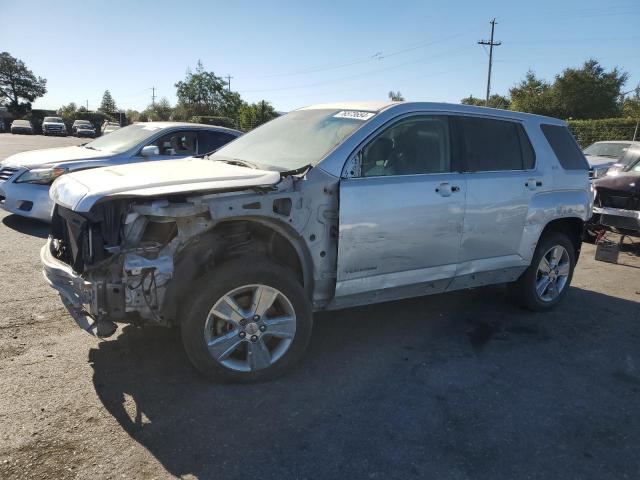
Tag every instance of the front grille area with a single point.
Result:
(617, 199)
(53, 128)
(6, 173)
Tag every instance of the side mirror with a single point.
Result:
(150, 151)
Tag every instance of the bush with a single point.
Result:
(217, 121)
(590, 131)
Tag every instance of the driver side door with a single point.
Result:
(401, 215)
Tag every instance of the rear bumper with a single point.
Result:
(617, 218)
(27, 200)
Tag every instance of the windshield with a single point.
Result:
(295, 140)
(124, 139)
(82, 123)
(605, 149)
(53, 120)
(22, 123)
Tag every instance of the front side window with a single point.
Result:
(177, 143)
(416, 145)
(490, 145)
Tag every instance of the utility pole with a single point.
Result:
(153, 96)
(491, 44)
(87, 105)
(229, 77)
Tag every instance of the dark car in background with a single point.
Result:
(616, 205)
(23, 127)
(83, 128)
(54, 126)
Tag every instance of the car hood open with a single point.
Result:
(81, 190)
(38, 158)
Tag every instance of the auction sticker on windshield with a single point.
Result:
(354, 114)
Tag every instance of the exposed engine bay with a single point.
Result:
(140, 256)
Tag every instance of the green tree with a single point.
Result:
(160, 111)
(200, 93)
(533, 95)
(631, 107)
(589, 91)
(395, 96)
(18, 83)
(255, 114)
(108, 104)
(68, 111)
(495, 101)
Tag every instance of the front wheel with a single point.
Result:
(250, 320)
(547, 279)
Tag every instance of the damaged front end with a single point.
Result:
(136, 260)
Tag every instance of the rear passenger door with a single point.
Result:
(501, 177)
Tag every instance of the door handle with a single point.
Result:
(532, 183)
(445, 189)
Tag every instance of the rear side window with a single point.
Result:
(490, 145)
(565, 147)
(211, 141)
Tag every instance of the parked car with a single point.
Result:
(617, 200)
(54, 126)
(326, 207)
(23, 127)
(606, 156)
(110, 127)
(25, 177)
(83, 128)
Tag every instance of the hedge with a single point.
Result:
(211, 120)
(590, 131)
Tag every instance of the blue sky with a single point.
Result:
(295, 53)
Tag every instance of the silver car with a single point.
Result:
(25, 177)
(327, 207)
(608, 157)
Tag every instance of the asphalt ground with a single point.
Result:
(464, 385)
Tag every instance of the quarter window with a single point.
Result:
(416, 145)
(565, 147)
(490, 145)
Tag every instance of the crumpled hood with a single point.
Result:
(81, 190)
(37, 158)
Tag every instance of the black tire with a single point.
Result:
(212, 286)
(525, 286)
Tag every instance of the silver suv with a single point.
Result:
(327, 207)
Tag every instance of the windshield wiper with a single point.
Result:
(90, 148)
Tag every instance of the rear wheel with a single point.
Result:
(547, 279)
(250, 320)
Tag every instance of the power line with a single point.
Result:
(491, 44)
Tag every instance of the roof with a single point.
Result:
(186, 125)
(620, 141)
(433, 106)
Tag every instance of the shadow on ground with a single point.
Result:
(461, 385)
(27, 226)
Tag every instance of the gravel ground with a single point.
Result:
(456, 386)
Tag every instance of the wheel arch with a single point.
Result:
(573, 227)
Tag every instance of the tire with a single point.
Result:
(526, 286)
(239, 280)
